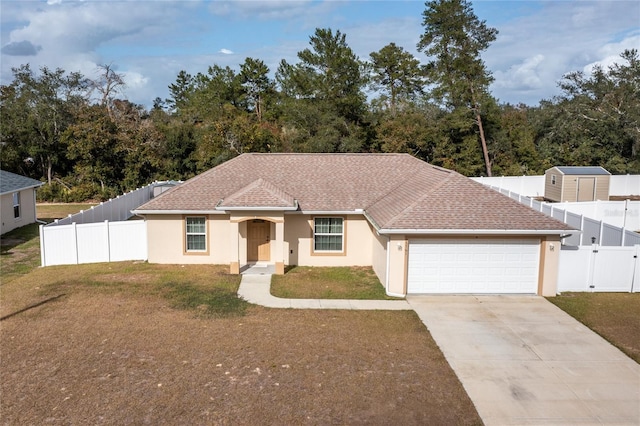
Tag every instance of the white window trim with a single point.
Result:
(187, 234)
(331, 234)
(553, 179)
(16, 203)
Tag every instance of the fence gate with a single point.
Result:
(615, 269)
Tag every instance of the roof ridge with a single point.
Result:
(260, 184)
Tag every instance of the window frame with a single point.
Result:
(187, 233)
(342, 234)
(553, 179)
(16, 205)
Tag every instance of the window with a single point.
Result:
(16, 205)
(328, 234)
(553, 179)
(196, 228)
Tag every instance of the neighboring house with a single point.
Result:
(423, 229)
(574, 183)
(18, 202)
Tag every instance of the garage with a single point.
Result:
(473, 266)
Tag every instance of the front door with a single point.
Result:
(258, 241)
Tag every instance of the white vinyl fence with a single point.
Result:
(593, 230)
(93, 242)
(118, 208)
(599, 269)
(102, 233)
(533, 186)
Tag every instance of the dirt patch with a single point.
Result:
(91, 358)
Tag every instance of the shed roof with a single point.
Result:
(11, 182)
(582, 170)
(395, 191)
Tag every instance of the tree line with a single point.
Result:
(87, 142)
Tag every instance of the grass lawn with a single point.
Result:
(134, 343)
(48, 212)
(19, 252)
(303, 282)
(614, 316)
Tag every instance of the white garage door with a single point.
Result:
(473, 266)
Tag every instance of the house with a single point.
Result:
(422, 228)
(18, 200)
(573, 183)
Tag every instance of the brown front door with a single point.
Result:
(258, 241)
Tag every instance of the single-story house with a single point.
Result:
(422, 228)
(576, 183)
(17, 200)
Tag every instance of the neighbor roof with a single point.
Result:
(582, 170)
(395, 191)
(11, 182)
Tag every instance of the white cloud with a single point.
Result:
(568, 35)
(226, 52)
(610, 53)
(525, 75)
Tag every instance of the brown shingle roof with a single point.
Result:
(259, 193)
(397, 191)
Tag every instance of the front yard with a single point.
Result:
(137, 343)
(133, 343)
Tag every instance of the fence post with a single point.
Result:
(42, 251)
(601, 232)
(106, 223)
(592, 267)
(75, 240)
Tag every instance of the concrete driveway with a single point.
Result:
(523, 361)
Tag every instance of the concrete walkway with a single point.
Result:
(523, 361)
(255, 288)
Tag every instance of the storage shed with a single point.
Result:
(576, 183)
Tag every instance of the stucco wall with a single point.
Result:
(398, 247)
(165, 236)
(379, 256)
(27, 210)
(549, 266)
(298, 236)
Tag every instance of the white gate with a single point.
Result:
(599, 269)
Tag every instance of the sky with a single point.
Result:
(149, 42)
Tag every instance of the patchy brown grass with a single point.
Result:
(614, 316)
(133, 343)
(303, 282)
(48, 212)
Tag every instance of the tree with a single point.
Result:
(254, 77)
(329, 71)
(454, 37)
(47, 102)
(180, 91)
(397, 73)
(596, 121)
(107, 84)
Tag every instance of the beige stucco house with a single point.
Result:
(423, 229)
(18, 200)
